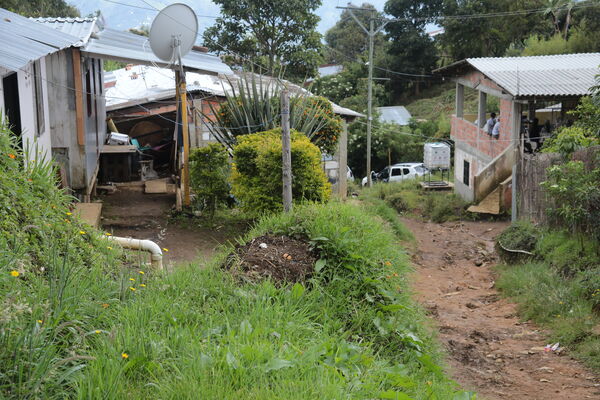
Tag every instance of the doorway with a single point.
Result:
(12, 108)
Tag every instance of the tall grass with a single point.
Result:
(350, 332)
(78, 322)
(557, 286)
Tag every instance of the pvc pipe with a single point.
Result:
(144, 245)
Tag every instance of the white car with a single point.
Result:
(400, 172)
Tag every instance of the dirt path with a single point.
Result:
(491, 351)
(131, 213)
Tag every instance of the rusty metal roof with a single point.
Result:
(24, 40)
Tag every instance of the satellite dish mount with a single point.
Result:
(172, 35)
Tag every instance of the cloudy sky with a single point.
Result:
(124, 16)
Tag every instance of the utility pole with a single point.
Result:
(371, 32)
(286, 147)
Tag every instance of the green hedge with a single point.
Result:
(209, 171)
(257, 176)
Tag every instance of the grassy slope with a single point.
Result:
(439, 99)
(77, 323)
(353, 332)
(560, 289)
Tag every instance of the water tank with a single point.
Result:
(436, 155)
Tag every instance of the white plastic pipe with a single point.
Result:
(144, 245)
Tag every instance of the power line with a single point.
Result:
(151, 9)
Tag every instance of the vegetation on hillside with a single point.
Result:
(556, 286)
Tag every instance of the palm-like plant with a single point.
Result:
(252, 105)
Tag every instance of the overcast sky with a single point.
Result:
(122, 17)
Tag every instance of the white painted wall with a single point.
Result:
(36, 143)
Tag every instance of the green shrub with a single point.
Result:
(257, 176)
(576, 195)
(397, 202)
(568, 253)
(442, 207)
(209, 172)
(519, 236)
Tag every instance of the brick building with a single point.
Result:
(513, 88)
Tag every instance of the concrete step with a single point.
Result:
(489, 205)
(89, 213)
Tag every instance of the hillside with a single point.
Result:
(439, 100)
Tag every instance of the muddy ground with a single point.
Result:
(490, 350)
(132, 213)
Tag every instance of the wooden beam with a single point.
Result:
(78, 83)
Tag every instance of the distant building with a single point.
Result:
(394, 114)
(330, 69)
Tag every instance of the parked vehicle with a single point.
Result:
(349, 174)
(399, 172)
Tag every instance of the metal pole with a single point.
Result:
(370, 101)
(286, 151)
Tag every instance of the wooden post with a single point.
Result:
(343, 161)
(186, 143)
(286, 151)
(77, 80)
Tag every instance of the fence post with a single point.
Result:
(286, 151)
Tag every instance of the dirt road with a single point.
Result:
(130, 213)
(490, 350)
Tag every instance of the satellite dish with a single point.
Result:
(173, 32)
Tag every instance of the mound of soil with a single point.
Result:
(279, 258)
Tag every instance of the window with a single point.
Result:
(466, 172)
(420, 169)
(39, 97)
(396, 171)
(405, 171)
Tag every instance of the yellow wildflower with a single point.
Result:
(142, 285)
(108, 234)
(14, 273)
(388, 264)
(69, 213)
(108, 247)
(12, 156)
(165, 249)
(105, 305)
(132, 279)
(97, 331)
(39, 321)
(141, 272)
(125, 355)
(132, 288)
(82, 232)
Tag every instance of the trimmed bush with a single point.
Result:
(257, 177)
(209, 171)
(520, 236)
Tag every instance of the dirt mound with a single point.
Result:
(279, 258)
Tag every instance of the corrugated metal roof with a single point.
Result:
(79, 27)
(555, 75)
(24, 40)
(394, 114)
(128, 47)
(143, 84)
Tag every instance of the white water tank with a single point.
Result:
(436, 155)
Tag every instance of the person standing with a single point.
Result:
(496, 129)
(489, 125)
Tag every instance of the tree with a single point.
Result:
(411, 50)
(278, 34)
(485, 37)
(385, 137)
(142, 30)
(347, 41)
(40, 8)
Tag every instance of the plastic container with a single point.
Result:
(436, 155)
